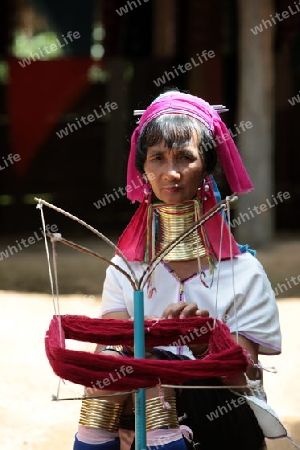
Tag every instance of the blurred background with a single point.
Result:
(67, 59)
(61, 61)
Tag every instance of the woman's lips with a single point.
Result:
(174, 188)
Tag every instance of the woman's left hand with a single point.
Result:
(182, 310)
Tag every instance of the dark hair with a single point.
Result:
(176, 130)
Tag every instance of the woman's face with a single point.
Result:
(176, 173)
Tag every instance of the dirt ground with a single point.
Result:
(29, 419)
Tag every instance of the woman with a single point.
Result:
(174, 151)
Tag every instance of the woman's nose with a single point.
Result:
(171, 171)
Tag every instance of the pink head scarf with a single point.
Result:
(179, 103)
(133, 240)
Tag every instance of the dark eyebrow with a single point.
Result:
(156, 151)
(182, 150)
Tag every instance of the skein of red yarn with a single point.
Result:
(225, 358)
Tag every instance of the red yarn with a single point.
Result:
(162, 332)
(89, 368)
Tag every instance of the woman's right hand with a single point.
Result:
(182, 310)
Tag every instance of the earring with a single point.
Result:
(147, 191)
(205, 187)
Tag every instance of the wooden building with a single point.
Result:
(127, 53)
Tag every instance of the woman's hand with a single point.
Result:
(151, 318)
(182, 310)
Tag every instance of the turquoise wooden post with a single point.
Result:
(139, 352)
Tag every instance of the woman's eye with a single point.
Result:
(186, 157)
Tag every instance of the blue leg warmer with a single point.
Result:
(111, 445)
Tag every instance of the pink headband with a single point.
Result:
(176, 103)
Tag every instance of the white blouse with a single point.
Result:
(254, 313)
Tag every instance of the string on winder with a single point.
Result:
(136, 284)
